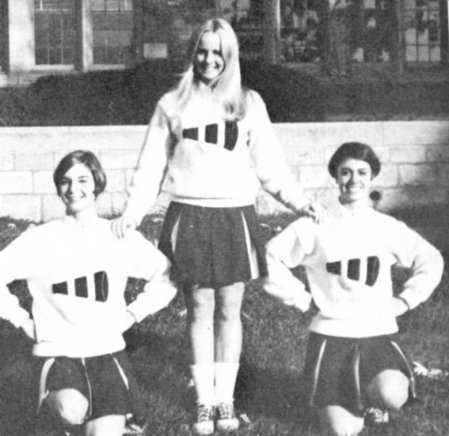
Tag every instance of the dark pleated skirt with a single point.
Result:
(338, 369)
(213, 247)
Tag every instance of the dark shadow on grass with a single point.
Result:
(161, 365)
(273, 394)
(18, 388)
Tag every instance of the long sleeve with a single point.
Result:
(272, 170)
(423, 259)
(150, 264)
(148, 177)
(13, 264)
(286, 251)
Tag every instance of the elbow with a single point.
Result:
(438, 265)
(171, 293)
(441, 262)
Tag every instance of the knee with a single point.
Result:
(394, 397)
(69, 405)
(228, 312)
(389, 389)
(229, 303)
(202, 310)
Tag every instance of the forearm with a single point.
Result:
(284, 286)
(426, 274)
(157, 295)
(10, 309)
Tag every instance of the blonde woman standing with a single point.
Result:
(214, 143)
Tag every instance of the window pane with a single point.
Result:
(97, 5)
(112, 31)
(54, 32)
(422, 33)
(112, 5)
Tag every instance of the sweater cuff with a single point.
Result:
(303, 301)
(406, 299)
(20, 318)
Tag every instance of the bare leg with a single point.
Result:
(200, 324)
(388, 390)
(228, 346)
(69, 406)
(337, 421)
(200, 330)
(228, 335)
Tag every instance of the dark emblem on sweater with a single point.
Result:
(101, 285)
(353, 270)
(231, 134)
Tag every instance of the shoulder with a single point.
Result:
(35, 236)
(46, 229)
(168, 102)
(384, 219)
(253, 97)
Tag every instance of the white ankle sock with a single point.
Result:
(225, 378)
(203, 378)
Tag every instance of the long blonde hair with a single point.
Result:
(227, 87)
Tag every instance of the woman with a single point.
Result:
(76, 271)
(214, 142)
(355, 370)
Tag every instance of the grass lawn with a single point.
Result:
(268, 394)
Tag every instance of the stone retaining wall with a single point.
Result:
(414, 154)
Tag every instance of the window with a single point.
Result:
(112, 31)
(422, 35)
(300, 22)
(246, 17)
(3, 36)
(54, 32)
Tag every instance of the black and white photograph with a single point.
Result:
(224, 217)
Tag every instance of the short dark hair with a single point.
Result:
(354, 150)
(81, 157)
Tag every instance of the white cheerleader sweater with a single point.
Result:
(77, 277)
(348, 261)
(208, 161)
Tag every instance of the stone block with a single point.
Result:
(34, 161)
(43, 182)
(409, 197)
(19, 206)
(416, 132)
(419, 174)
(438, 153)
(6, 161)
(315, 177)
(116, 181)
(14, 182)
(408, 154)
(443, 174)
(331, 134)
(388, 176)
(119, 159)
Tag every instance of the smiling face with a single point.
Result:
(76, 189)
(208, 61)
(354, 178)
